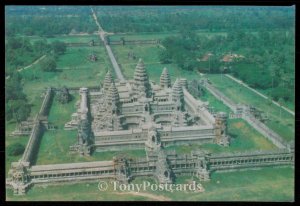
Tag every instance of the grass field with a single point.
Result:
(253, 185)
(150, 56)
(281, 122)
(243, 138)
(74, 70)
(217, 105)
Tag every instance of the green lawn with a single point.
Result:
(74, 70)
(284, 124)
(150, 56)
(217, 105)
(253, 185)
(243, 138)
(77, 57)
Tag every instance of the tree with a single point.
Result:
(214, 64)
(274, 70)
(165, 57)
(59, 47)
(17, 107)
(41, 46)
(48, 64)
(280, 102)
(15, 149)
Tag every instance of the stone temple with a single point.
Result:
(138, 113)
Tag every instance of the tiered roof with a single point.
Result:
(113, 94)
(107, 81)
(165, 80)
(141, 80)
(177, 92)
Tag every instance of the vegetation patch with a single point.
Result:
(279, 120)
(15, 149)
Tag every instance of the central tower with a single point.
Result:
(141, 80)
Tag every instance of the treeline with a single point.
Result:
(267, 63)
(21, 52)
(54, 20)
(46, 10)
(16, 103)
(161, 19)
(48, 25)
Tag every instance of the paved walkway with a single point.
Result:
(108, 49)
(260, 94)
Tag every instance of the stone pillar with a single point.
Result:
(163, 172)
(202, 172)
(221, 129)
(84, 127)
(122, 171)
(84, 137)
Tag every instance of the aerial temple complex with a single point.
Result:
(138, 113)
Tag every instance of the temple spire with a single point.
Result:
(165, 80)
(177, 94)
(107, 81)
(141, 80)
(113, 94)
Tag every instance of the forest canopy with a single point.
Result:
(53, 20)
